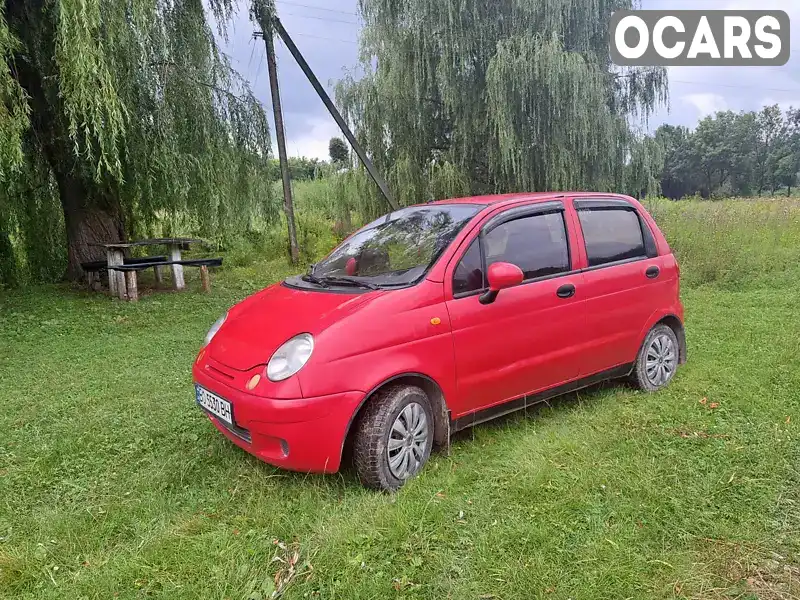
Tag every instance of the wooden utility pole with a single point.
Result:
(288, 205)
(326, 100)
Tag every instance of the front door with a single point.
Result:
(527, 340)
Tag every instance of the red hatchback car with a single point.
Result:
(438, 317)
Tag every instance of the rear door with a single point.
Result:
(527, 340)
(622, 276)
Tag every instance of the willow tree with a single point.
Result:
(119, 112)
(512, 94)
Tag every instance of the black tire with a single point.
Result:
(639, 376)
(374, 428)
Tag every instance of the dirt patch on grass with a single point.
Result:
(747, 572)
(775, 580)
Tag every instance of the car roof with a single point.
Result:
(494, 199)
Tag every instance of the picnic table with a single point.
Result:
(118, 267)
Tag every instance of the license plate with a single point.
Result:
(214, 404)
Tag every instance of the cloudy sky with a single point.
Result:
(327, 31)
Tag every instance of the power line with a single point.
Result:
(333, 10)
(260, 68)
(738, 87)
(319, 37)
(326, 19)
(252, 51)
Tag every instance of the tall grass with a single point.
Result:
(728, 243)
(731, 243)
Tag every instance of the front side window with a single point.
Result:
(612, 235)
(469, 276)
(395, 250)
(537, 244)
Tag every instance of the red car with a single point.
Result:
(438, 317)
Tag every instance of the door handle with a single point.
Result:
(652, 272)
(566, 291)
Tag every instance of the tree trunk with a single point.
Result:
(8, 262)
(85, 224)
(91, 209)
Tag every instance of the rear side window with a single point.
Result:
(612, 235)
(536, 244)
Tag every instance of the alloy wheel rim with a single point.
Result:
(408, 440)
(661, 360)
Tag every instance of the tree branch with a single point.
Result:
(211, 86)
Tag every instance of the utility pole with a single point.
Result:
(326, 100)
(280, 133)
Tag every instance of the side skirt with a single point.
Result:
(493, 412)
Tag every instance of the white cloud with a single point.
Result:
(700, 91)
(314, 139)
(784, 104)
(705, 103)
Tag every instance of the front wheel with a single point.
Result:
(658, 359)
(393, 437)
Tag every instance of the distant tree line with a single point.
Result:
(300, 168)
(739, 154)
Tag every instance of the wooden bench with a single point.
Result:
(96, 268)
(131, 270)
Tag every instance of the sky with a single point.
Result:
(326, 31)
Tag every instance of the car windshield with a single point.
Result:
(397, 249)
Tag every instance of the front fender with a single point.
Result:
(403, 331)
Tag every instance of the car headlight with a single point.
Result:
(291, 357)
(214, 329)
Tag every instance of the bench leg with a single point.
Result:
(133, 290)
(112, 275)
(177, 270)
(205, 280)
(118, 277)
(122, 289)
(90, 279)
(159, 276)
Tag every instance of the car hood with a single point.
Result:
(259, 325)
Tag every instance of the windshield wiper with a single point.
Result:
(314, 279)
(349, 281)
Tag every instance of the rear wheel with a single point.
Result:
(393, 437)
(657, 360)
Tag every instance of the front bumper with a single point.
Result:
(304, 435)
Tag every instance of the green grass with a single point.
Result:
(113, 484)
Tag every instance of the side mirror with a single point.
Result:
(351, 268)
(501, 276)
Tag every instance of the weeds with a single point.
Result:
(731, 243)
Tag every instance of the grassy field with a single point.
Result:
(114, 485)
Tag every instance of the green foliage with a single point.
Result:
(644, 167)
(512, 95)
(732, 154)
(13, 107)
(338, 151)
(97, 115)
(447, 181)
(131, 109)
